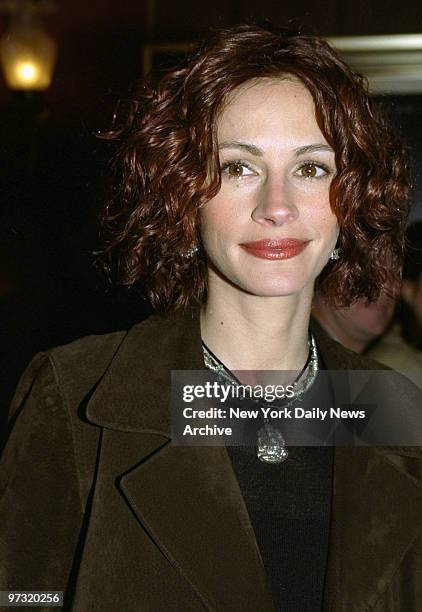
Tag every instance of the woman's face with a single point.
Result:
(270, 229)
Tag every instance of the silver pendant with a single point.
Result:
(271, 446)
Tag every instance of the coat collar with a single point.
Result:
(150, 351)
(375, 510)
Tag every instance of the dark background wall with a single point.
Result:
(100, 40)
(53, 167)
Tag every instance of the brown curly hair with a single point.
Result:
(168, 167)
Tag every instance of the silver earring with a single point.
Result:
(190, 252)
(335, 255)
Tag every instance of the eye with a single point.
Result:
(311, 170)
(236, 169)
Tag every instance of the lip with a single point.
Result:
(275, 248)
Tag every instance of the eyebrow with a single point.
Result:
(312, 148)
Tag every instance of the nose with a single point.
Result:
(275, 204)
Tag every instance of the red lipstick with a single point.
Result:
(275, 249)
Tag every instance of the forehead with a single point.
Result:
(269, 108)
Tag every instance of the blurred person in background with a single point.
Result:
(358, 326)
(401, 347)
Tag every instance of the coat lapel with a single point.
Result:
(188, 499)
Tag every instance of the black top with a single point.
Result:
(289, 505)
(289, 508)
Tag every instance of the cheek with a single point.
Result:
(331, 222)
(212, 220)
(325, 225)
(316, 209)
(219, 218)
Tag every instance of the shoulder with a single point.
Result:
(46, 417)
(91, 350)
(86, 359)
(79, 365)
(85, 353)
(68, 370)
(74, 370)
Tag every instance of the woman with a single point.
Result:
(253, 172)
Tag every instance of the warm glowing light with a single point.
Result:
(27, 72)
(27, 52)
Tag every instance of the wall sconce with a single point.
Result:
(28, 53)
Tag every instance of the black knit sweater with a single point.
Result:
(289, 505)
(289, 508)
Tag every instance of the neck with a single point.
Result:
(257, 333)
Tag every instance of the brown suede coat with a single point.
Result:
(96, 501)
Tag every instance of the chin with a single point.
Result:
(263, 282)
(273, 289)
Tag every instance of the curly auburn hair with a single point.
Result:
(168, 167)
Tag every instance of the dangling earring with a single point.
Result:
(190, 252)
(335, 255)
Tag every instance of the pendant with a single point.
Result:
(271, 446)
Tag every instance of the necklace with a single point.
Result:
(271, 446)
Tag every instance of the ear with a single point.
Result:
(408, 290)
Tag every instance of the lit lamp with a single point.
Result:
(27, 52)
